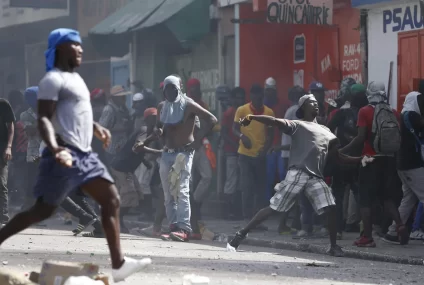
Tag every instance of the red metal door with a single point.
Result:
(409, 63)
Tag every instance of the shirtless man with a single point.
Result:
(65, 123)
(176, 122)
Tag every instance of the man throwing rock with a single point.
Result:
(313, 148)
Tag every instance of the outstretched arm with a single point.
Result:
(341, 158)
(282, 124)
(357, 141)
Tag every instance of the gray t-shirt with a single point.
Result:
(285, 139)
(73, 118)
(309, 148)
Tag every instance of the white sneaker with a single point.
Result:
(302, 234)
(129, 267)
(417, 235)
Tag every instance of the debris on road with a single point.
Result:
(82, 280)
(195, 280)
(8, 277)
(313, 264)
(5, 262)
(58, 272)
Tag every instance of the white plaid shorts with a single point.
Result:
(296, 182)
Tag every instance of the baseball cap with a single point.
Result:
(137, 97)
(302, 100)
(316, 86)
(357, 88)
(270, 83)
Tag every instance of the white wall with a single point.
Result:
(384, 24)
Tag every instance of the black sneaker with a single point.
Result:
(335, 251)
(391, 239)
(236, 241)
(83, 225)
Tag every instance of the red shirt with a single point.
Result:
(227, 121)
(365, 119)
(331, 115)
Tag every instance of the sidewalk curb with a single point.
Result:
(313, 248)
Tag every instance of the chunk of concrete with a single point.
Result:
(9, 277)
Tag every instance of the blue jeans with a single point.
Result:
(418, 216)
(178, 212)
(308, 213)
(274, 164)
(252, 182)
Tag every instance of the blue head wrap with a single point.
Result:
(56, 38)
(31, 97)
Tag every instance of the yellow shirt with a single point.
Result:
(255, 131)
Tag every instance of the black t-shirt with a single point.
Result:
(6, 116)
(345, 121)
(409, 155)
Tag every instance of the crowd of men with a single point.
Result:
(354, 158)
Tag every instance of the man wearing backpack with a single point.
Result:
(343, 124)
(379, 133)
(410, 163)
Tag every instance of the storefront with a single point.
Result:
(160, 40)
(395, 34)
(319, 42)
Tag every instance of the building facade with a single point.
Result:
(395, 34)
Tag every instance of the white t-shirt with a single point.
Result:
(285, 139)
(73, 118)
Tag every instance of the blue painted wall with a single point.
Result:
(356, 3)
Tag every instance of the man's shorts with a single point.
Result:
(55, 182)
(296, 182)
(379, 182)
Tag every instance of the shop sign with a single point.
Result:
(402, 18)
(351, 62)
(299, 49)
(317, 12)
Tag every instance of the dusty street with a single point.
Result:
(172, 261)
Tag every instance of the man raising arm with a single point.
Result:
(312, 146)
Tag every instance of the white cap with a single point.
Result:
(270, 83)
(304, 98)
(138, 97)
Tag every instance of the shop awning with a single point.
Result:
(186, 19)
